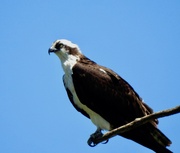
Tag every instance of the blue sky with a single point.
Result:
(140, 40)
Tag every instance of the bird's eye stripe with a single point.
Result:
(59, 45)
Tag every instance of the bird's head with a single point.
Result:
(68, 53)
(64, 49)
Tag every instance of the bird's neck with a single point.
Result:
(68, 63)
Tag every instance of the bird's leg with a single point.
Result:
(93, 137)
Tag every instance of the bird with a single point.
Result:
(105, 98)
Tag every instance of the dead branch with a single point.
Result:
(137, 122)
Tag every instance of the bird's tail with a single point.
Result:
(150, 137)
(161, 140)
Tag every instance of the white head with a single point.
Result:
(68, 52)
(63, 46)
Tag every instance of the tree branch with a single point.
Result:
(137, 122)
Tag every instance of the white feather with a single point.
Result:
(68, 61)
(95, 118)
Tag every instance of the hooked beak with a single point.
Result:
(52, 50)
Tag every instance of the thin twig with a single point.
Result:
(138, 122)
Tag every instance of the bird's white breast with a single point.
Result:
(95, 118)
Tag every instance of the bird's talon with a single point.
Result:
(94, 137)
(91, 142)
(105, 141)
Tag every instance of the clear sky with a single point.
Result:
(140, 40)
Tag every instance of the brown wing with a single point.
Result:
(107, 94)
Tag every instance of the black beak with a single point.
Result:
(51, 50)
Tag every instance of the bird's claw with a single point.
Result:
(105, 141)
(92, 141)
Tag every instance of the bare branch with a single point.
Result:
(138, 122)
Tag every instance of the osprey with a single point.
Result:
(105, 98)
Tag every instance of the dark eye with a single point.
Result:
(59, 45)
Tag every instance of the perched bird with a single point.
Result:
(105, 98)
